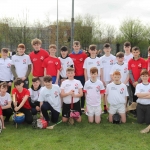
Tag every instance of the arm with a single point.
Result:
(28, 71)
(44, 71)
(106, 101)
(80, 94)
(142, 95)
(85, 74)
(7, 106)
(127, 79)
(101, 74)
(63, 94)
(13, 70)
(57, 77)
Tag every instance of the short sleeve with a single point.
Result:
(137, 89)
(126, 94)
(14, 91)
(129, 65)
(85, 64)
(41, 97)
(29, 60)
(27, 92)
(58, 64)
(144, 65)
(71, 62)
(112, 70)
(80, 85)
(85, 87)
(9, 97)
(107, 90)
(44, 64)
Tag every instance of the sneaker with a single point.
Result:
(83, 110)
(146, 130)
(71, 121)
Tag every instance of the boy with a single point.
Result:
(116, 96)
(49, 99)
(107, 61)
(143, 93)
(52, 65)
(5, 69)
(5, 101)
(37, 57)
(128, 55)
(92, 61)
(34, 94)
(122, 68)
(66, 62)
(135, 66)
(21, 65)
(21, 103)
(78, 57)
(71, 88)
(94, 90)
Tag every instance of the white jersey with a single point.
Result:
(127, 57)
(21, 64)
(116, 93)
(92, 62)
(5, 99)
(93, 92)
(69, 85)
(65, 63)
(52, 96)
(107, 63)
(123, 69)
(141, 88)
(5, 69)
(34, 94)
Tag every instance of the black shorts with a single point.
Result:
(66, 109)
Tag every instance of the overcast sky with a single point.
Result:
(108, 11)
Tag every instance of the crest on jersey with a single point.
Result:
(8, 65)
(81, 59)
(121, 91)
(111, 62)
(98, 88)
(56, 63)
(41, 57)
(56, 94)
(76, 86)
(140, 65)
(125, 70)
(24, 61)
(98, 63)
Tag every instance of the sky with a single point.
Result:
(108, 11)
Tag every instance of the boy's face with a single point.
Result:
(93, 75)
(136, 53)
(93, 52)
(4, 55)
(70, 74)
(36, 84)
(116, 77)
(21, 50)
(127, 49)
(52, 51)
(145, 78)
(3, 90)
(107, 50)
(64, 53)
(120, 60)
(36, 47)
(48, 84)
(76, 47)
(19, 87)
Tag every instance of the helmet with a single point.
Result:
(18, 117)
(116, 118)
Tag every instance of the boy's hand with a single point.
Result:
(37, 108)
(135, 83)
(9, 83)
(16, 108)
(71, 93)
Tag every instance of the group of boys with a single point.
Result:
(77, 75)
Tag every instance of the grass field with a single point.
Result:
(80, 136)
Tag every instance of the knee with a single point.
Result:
(64, 119)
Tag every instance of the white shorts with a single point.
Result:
(93, 110)
(120, 108)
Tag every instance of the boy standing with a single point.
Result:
(78, 57)
(143, 93)
(92, 61)
(94, 90)
(116, 96)
(21, 65)
(49, 99)
(107, 61)
(37, 57)
(21, 103)
(71, 88)
(52, 65)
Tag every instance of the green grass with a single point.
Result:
(80, 136)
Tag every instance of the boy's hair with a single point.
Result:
(76, 43)
(4, 85)
(149, 48)
(18, 81)
(21, 45)
(106, 45)
(53, 46)
(63, 48)
(92, 47)
(93, 70)
(135, 48)
(4, 50)
(116, 73)
(70, 69)
(47, 78)
(127, 44)
(120, 54)
(144, 72)
(36, 41)
(36, 79)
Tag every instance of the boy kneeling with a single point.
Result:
(71, 89)
(49, 99)
(116, 95)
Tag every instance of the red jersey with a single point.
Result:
(78, 60)
(52, 65)
(136, 67)
(20, 96)
(37, 60)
